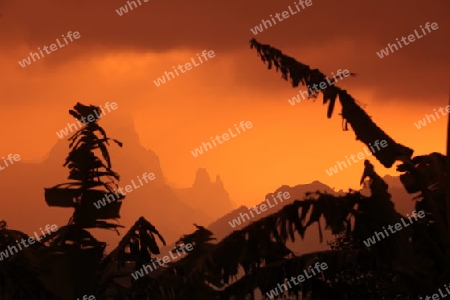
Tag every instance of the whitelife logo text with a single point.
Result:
(165, 260)
(225, 137)
(411, 38)
(188, 66)
(284, 15)
(102, 202)
(124, 9)
(372, 240)
(317, 269)
(263, 207)
(86, 120)
(322, 85)
(423, 122)
(360, 156)
(27, 61)
(31, 241)
(16, 158)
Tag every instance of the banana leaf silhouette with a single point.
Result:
(365, 129)
(83, 111)
(91, 174)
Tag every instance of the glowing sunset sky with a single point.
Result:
(118, 57)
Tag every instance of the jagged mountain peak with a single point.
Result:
(219, 182)
(206, 195)
(202, 177)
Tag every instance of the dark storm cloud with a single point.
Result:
(419, 69)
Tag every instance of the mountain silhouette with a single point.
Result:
(221, 227)
(130, 161)
(202, 192)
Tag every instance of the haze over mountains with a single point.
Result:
(222, 227)
(172, 210)
(207, 196)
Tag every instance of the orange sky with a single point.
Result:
(117, 59)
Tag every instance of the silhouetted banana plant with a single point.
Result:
(188, 277)
(137, 247)
(92, 176)
(429, 175)
(365, 129)
(256, 257)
